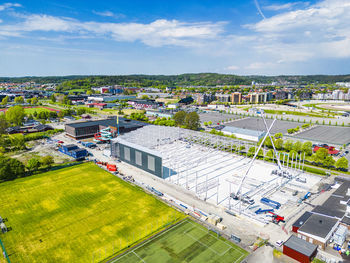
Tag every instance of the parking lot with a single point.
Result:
(216, 117)
(258, 124)
(327, 134)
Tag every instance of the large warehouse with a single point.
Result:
(205, 164)
(86, 129)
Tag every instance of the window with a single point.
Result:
(127, 153)
(151, 163)
(138, 158)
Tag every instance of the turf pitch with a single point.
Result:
(77, 214)
(185, 242)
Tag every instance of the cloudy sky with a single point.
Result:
(269, 37)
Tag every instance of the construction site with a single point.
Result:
(220, 171)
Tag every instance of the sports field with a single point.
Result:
(77, 214)
(31, 110)
(186, 242)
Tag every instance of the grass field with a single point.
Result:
(77, 214)
(186, 242)
(37, 109)
(297, 113)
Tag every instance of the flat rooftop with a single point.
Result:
(126, 123)
(318, 225)
(301, 220)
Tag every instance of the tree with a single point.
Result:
(5, 100)
(144, 97)
(251, 151)
(179, 118)
(10, 168)
(34, 100)
(279, 144)
(307, 148)
(47, 160)
(81, 111)
(17, 141)
(15, 115)
(278, 135)
(3, 124)
(19, 100)
(269, 154)
(33, 164)
(320, 155)
(53, 98)
(328, 161)
(66, 101)
(297, 146)
(89, 92)
(192, 121)
(288, 145)
(342, 163)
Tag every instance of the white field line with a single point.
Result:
(117, 259)
(138, 256)
(208, 233)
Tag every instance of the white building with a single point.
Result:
(246, 134)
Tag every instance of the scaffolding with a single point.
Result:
(207, 165)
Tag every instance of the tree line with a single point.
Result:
(11, 168)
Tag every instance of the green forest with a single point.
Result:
(200, 79)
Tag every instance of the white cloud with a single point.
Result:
(259, 65)
(158, 33)
(284, 6)
(318, 31)
(108, 14)
(8, 6)
(232, 68)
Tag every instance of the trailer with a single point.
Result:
(269, 202)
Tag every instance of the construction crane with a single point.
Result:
(238, 194)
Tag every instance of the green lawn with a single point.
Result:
(37, 109)
(297, 113)
(77, 214)
(186, 242)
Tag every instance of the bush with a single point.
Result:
(41, 135)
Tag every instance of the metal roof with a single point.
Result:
(232, 129)
(300, 245)
(125, 123)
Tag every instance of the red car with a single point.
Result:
(61, 142)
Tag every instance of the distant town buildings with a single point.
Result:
(236, 97)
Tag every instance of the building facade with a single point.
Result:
(137, 155)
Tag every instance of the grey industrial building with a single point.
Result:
(86, 129)
(320, 224)
(137, 155)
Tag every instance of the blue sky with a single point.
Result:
(267, 37)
